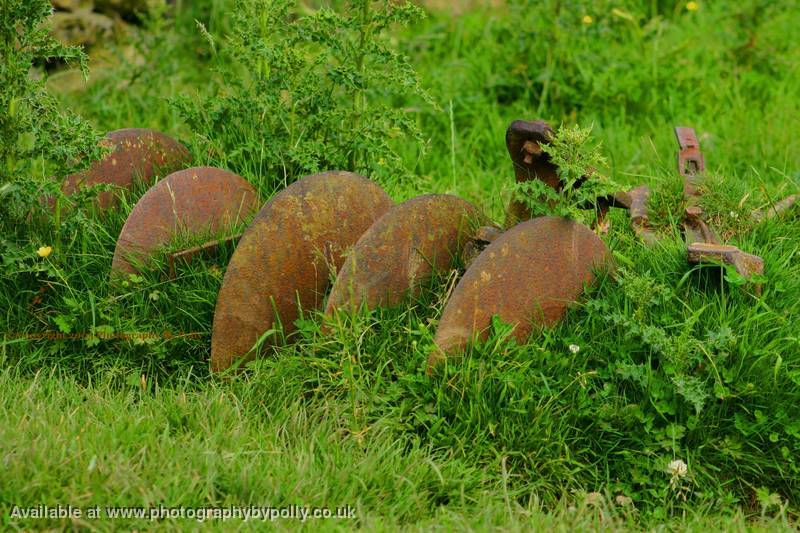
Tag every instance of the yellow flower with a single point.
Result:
(587, 19)
(44, 251)
(692, 6)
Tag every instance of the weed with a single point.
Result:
(33, 128)
(579, 165)
(305, 92)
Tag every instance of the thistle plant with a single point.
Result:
(579, 162)
(307, 91)
(35, 133)
(38, 139)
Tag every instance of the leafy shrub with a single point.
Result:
(307, 92)
(33, 128)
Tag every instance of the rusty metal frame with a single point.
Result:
(523, 141)
(702, 243)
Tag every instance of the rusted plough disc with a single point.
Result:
(286, 257)
(136, 154)
(402, 249)
(526, 276)
(191, 201)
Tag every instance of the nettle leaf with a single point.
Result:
(721, 338)
(692, 390)
(639, 374)
(64, 323)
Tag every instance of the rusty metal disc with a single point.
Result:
(527, 276)
(402, 249)
(193, 201)
(136, 154)
(286, 257)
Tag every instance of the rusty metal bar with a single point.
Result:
(207, 249)
(691, 163)
(776, 209)
(695, 229)
(640, 221)
(745, 264)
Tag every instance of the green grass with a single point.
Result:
(675, 362)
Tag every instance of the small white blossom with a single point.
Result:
(574, 348)
(678, 468)
(623, 501)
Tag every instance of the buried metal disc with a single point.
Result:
(136, 154)
(286, 257)
(526, 276)
(402, 249)
(192, 201)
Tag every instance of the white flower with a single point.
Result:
(623, 501)
(678, 468)
(574, 348)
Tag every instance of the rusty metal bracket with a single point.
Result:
(702, 243)
(523, 141)
(695, 229)
(691, 163)
(207, 249)
(745, 264)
